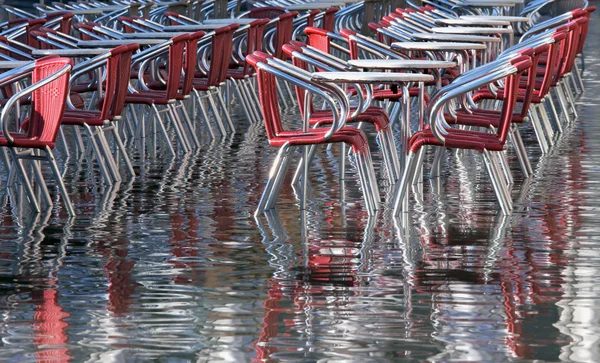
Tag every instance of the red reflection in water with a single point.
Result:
(50, 330)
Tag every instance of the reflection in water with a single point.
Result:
(173, 266)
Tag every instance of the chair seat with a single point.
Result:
(81, 117)
(151, 97)
(458, 139)
(349, 135)
(21, 140)
(376, 116)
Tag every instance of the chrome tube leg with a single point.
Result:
(436, 166)
(418, 166)
(163, 131)
(108, 157)
(270, 182)
(495, 183)
(364, 181)
(63, 141)
(278, 183)
(537, 128)
(298, 174)
(242, 101)
(503, 163)
(41, 181)
(225, 111)
(306, 150)
(123, 151)
(103, 169)
(252, 100)
(372, 178)
(18, 163)
(60, 182)
(402, 193)
(216, 113)
(520, 152)
(500, 179)
(546, 123)
(570, 96)
(204, 115)
(563, 102)
(554, 113)
(187, 121)
(579, 78)
(185, 145)
(342, 172)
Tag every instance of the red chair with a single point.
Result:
(164, 98)
(241, 74)
(117, 64)
(437, 135)
(50, 79)
(268, 69)
(213, 73)
(373, 115)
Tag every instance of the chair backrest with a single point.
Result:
(226, 49)
(66, 20)
(175, 66)
(270, 12)
(118, 71)
(48, 101)
(189, 66)
(328, 22)
(318, 38)
(284, 31)
(254, 40)
(267, 94)
(511, 87)
(219, 46)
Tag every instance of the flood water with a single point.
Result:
(173, 266)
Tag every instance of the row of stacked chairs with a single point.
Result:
(471, 105)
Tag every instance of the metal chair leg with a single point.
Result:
(96, 149)
(495, 183)
(402, 193)
(225, 112)
(271, 181)
(60, 182)
(163, 131)
(18, 163)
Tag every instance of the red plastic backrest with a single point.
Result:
(189, 66)
(175, 65)
(535, 54)
(33, 25)
(270, 12)
(118, 71)
(284, 32)
(310, 20)
(346, 33)
(66, 21)
(48, 102)
(296, 46)
(329, 19)
(226, 50)
(511, 87)
(318, 38)
(217, 58)
(267, 94)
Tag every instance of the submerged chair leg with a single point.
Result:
(402, 193)
(271, 181)
(60, 182)
(496, 182)
(18, 163)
